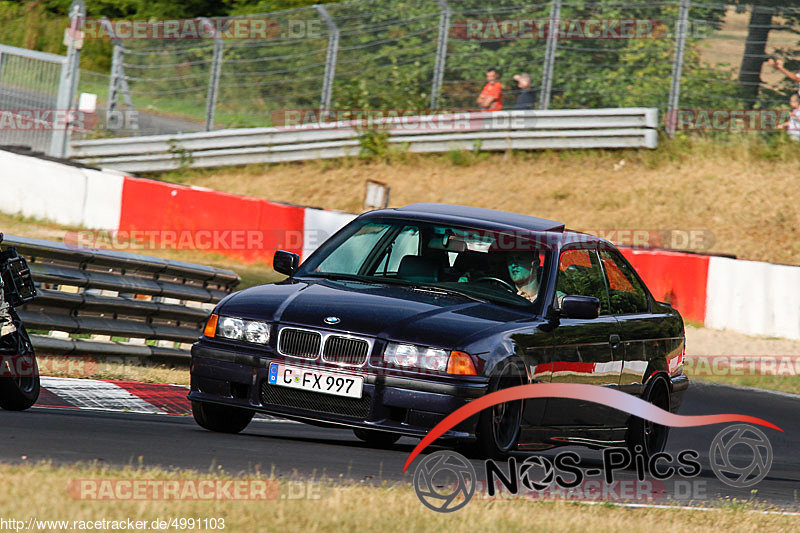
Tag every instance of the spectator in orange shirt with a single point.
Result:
(491, 97)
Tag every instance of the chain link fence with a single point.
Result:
(327, 60)
(29, 88)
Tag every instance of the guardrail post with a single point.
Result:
(118, 84)
(213, 82)
(330, 60)
(550, 55)
(114, 81)
(441, 53)
(681, 30)
(70, 72)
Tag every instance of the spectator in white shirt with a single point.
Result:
(792, 126)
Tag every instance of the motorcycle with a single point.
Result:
(19, 373)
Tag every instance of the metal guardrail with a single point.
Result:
(504, 130)
(109, 303)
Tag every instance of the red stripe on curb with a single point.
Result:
(48, 399)
(169, 398)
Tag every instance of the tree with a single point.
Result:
(758, 29)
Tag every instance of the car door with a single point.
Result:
(646, 335)
(586, 350)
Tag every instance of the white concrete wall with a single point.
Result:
(103, 199)
(43, 189)
(753, 297)
(318, 225)
(60, 193)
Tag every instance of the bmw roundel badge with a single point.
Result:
(332, 320)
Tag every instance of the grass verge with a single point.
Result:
(91, 368)
(44, 491)
(789, 384)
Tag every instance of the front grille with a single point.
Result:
(345, 350)
(299, 343)
(315, 401)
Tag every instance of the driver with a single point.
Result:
(523, 268)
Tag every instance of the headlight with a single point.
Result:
(247, 330)
(231, 328)
(409, 355)
(256, 332)
(433, 359)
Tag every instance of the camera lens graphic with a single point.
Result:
(729, 455)
(445, 481)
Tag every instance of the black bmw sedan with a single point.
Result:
(405, 315)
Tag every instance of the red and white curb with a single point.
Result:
(123, 396)
(120, 396)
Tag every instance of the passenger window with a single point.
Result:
(627, 294)
(349, 257)
(406, 243)
(579, 274)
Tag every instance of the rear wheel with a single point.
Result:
(376, 439)
(498, 427)
(21, 389)
(646, 437)
(221, 418)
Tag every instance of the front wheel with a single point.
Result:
(21, 389)
(498, 427)
(221, 418)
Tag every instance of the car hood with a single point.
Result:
(388, 311)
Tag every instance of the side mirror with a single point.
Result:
(285, 262)
(586, 307)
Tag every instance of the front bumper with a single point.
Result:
(393, 403)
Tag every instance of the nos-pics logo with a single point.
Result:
(445, 481)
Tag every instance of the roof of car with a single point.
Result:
(478, 214)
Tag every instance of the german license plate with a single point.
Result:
(295, 377)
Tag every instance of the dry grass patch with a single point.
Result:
(90, 368)
(41, 491)
(742, 190)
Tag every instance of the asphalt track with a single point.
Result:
(150, 123)
(67, 436)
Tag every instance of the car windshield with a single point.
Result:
(479, 264)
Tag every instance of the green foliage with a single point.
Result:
(180, 154)
(374, 143)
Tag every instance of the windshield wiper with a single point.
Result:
(436, 288)
(394, 281)
(343, 277)
(431, 288)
